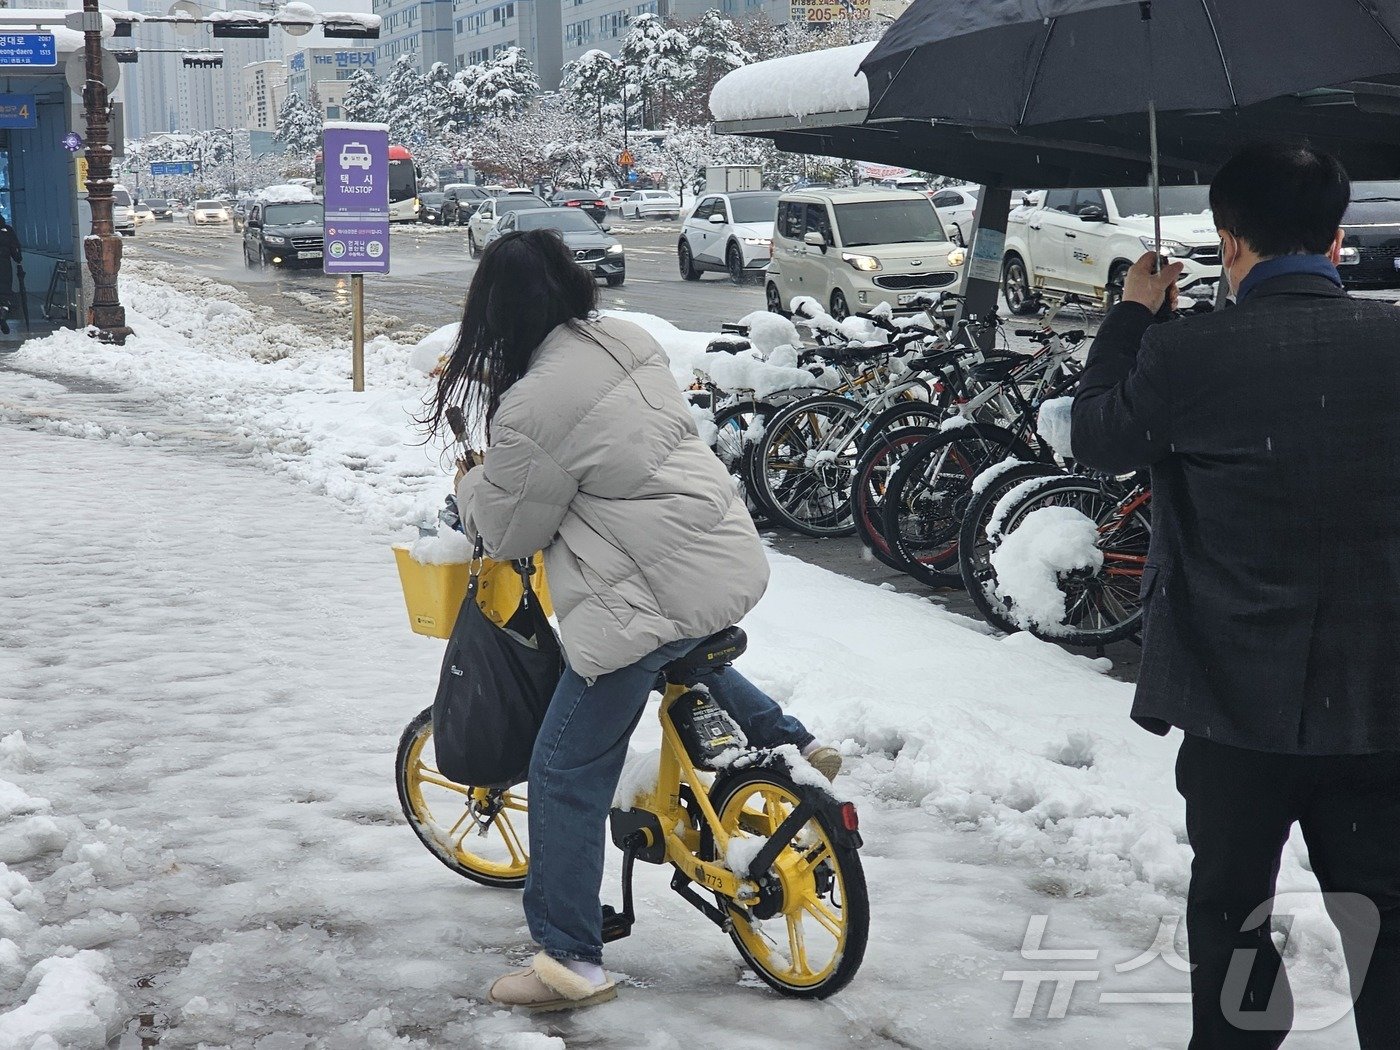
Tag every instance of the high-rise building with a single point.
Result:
(482, 29)
(264, 91)
(420, 28)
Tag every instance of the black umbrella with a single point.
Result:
(1017, 64)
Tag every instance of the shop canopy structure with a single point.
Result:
(819, 104)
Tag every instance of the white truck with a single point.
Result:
(1081, 242)
(731, 178)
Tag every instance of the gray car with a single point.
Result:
(594, 247)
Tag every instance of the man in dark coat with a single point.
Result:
(9, 252)
(1272, 585)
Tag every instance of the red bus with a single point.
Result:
(404, 205)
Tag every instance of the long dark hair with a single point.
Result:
(526, 285)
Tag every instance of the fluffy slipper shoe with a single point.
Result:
(550, 985)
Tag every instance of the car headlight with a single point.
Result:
(614, 249)
(957, 257)
(866, 263)
(274, 239)
(1171, 249)
(762, 242)
(1349, 257)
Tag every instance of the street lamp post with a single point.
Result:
(103, 248)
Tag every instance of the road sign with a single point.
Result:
(625, 158)
(631, 176)
(28, 50)
(17, 111)
(172, 167)
(357, 198)
(80, 173)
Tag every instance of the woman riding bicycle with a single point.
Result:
(594, 458)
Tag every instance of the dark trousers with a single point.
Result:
(1240, 807)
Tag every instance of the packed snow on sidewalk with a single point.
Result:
(205, 666)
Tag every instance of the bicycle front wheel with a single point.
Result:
(806, 937)
(480, 834)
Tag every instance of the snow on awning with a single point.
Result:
(795, 86)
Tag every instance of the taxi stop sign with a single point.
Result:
(355, 160)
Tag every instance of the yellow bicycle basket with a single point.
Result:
(434, 593)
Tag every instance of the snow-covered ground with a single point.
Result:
(205, 665)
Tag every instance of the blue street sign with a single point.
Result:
(631, 176)
(357, 198)
(28, 50)
(172, 167)
(17, 111)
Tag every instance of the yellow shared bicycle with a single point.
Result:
(759, 843)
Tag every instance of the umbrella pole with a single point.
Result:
(1156, 185)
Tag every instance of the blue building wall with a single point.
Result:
(43, 191)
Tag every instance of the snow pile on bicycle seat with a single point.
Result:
(1050, 543)
(768, 331)
(1053, 423)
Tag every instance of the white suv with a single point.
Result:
(730, 233)
(1082, 242)
(123, 213)
(855, 249)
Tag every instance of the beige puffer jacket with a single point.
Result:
(595, 459)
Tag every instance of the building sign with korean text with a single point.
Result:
(356, 158)
(17, 111)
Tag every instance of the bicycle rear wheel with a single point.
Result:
(974, 547)
(806, 937)
(738, 428)
(803, 466)
(872, 478)
(1103, 606)
(928, 496)
(473, 831)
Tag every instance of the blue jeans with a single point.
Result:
(574, 771)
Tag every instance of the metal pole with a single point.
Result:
(104, 248)
(1156, 179)
(357, 307)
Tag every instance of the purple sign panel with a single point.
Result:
(356, 166)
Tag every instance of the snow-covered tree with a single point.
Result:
(364, 99)
(592, 84)
(405, 92)
(656, 58)
(298, 126)
(498, 89)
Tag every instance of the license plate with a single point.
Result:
(908, 297)
(308, 255)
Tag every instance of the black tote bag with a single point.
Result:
(495, 687)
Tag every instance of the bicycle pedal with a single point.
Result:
(615, 924)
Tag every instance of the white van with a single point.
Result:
(853, 249)
(123, 214)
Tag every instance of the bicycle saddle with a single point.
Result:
(996, 369)
(718, 650)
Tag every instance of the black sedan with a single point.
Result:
(162, 210)
(585, 200)
(1371, 249)
(594, 246)
(432, 208)
(460, 201)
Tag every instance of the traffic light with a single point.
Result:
(203, 61)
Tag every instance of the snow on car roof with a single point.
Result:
(826, 81)
(286, 193)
